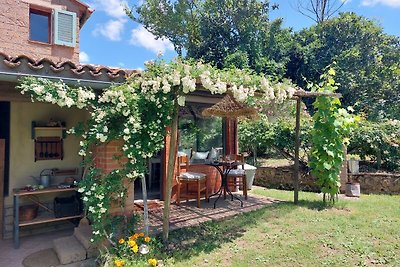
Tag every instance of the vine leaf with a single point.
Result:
(327, 166)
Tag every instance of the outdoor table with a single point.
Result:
(224, 167)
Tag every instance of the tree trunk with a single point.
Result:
(170, 174)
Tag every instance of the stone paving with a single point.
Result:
(187, 214)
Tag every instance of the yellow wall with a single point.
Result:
(22, 164)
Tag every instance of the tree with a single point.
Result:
(225, 33)
(368, 65)
(319, 10)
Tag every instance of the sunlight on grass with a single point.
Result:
(360, 232)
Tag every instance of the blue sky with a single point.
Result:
(110, 38)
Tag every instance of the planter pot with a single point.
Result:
(353, 165)
(250, 174)
(353, 189)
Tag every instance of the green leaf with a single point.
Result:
(327, 166)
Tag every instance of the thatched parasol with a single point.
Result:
(230, 108)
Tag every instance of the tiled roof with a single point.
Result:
(25, 65)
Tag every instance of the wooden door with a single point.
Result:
(2, 165)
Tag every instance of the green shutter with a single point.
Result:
(64, 28)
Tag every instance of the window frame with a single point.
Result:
(41, 12)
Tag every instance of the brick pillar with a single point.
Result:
(104, 159)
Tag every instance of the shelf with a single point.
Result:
(61, 129)
(49, 128)
(44, 191)
(46, 218)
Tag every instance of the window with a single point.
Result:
(60, 31)
(39, 26)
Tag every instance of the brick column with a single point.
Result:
(105, 159)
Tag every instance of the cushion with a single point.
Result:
(183, 152)
(200, 155)
(214, 154)
(192, 175)
(237, 172)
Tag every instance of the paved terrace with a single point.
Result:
(185, 215)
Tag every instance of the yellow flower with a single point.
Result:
(119, 263)
(121, 241)
(147, 239)
(135, 249)
(141, 234)
(152, 262)
(132, 243)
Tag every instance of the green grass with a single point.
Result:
(362, 232)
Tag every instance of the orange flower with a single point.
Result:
(119, 263)
(152, 262)
(141, 234)
(147, 239)
(135, 248)
(121, 241)
(132, 243)
(134, 237)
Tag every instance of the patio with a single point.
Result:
(185, 215)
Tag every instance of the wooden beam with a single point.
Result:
(302, 93)
(296, 152)
(8, 92)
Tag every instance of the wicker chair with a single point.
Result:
(190, 180)
(237, 177)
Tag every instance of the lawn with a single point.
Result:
(362, 232)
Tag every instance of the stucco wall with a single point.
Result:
(14, 29)
(22, 163)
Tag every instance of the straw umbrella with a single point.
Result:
(228, 107)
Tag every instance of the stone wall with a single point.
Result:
(370, 183)
(282, 178)
(377, 183)
(14, 28)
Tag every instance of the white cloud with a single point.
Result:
(113, 8)
(83, 57)
(142, 37)
(391, 3)
(112, 30)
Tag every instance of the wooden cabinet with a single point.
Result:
(48, 141)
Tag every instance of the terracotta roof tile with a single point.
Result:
(64, 68)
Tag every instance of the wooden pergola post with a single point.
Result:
(296, 152)
(298, 96)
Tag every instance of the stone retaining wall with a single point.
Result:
(377, 183)
(370, 183)
(282, 178)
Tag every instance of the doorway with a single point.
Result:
(4, 156)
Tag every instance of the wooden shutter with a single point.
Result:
(64, 28)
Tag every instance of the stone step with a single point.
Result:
(84, 233)
(69, 250)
